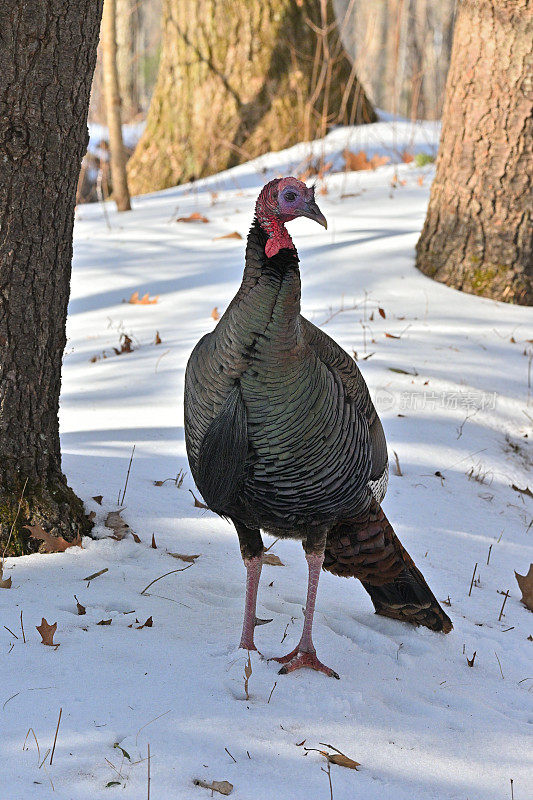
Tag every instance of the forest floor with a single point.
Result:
(449, 374)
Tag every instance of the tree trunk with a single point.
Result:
(46, 65)
(126, 19)
(232, 86)
(117, 156)
(478, 235)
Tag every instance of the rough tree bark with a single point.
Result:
(478, 235)
(232, 86)
(117, 155)
(47, 60)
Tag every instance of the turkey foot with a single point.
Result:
(298, 659)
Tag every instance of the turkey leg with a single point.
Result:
(304, 654)
(252, 555)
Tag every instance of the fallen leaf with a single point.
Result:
(273, 560)
(359, 161)
(194, 217)
(391, 336)
(153, 545)
(105, 622)
(145, 300)
(112, 783)
(5, 583)
(47, 632)
(183, 557)
(125, 345)
(148, 624)
(342, 760)
(124, 752)
(215, 314)
(526, 491)
(115, 522)
(98, 499)
(299, 744)
(525, 583)
(79, 608)
(92, 515)
(420, 180)
(234, 235)
(197, 503)
(158, 339)
(382, 313)
(407, 157)
(136, 538)
(402, 371)
(51, 544)
(470, 661)
(223, 787)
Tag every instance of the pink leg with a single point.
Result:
(253, 573)
(304, 655)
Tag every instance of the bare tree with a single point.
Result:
(232, 86)
(46, 65)
(119, 178)
(478, 235)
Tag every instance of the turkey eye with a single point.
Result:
(290, 196)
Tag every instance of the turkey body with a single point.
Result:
(282, 436)
(314, 450)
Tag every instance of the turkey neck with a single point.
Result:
(269, 297)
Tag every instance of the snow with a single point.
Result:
(408, 707)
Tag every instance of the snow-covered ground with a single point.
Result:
(451, 383)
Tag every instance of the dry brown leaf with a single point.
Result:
(158, 339)
(105, 622)
(197, 503)
(145, 300)
(126, 343)
(470, 661)
(194, 217)
(407, 157)
(51, 544)
(391, 336)
(79, 608)
(47, 632)
(153, 545)
(215, 314)
(148, 624)
(299, 744)
(234, 235)
(273, 560)
(183, 557)
(91, 515)
(98, 499)
(136, 538)
(115, 522)
(359, 161)
(5, 583)
(382, 313)
(223, 787)
(525, 583)
(420, 180)
(342, 760)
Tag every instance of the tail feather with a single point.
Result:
(367, 548)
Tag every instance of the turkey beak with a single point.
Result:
(312, 211)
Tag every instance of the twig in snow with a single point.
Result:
(55, 737)
(127, 477)
(11, 632)
(512, 791)
(149, 723)
(488, 555)
(328, 773)
(503, 604)
(399, 472)
(148, 770)
(500, 666)
(229, 754)
(96, 574)
(272, 692)
(472, 581)
(22, 628)
(165, 575)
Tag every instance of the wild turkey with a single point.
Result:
(282, 436)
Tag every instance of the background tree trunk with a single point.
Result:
(232, 86)
(46, 64)
(478, 235)
(127, 17)
(117, 156)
